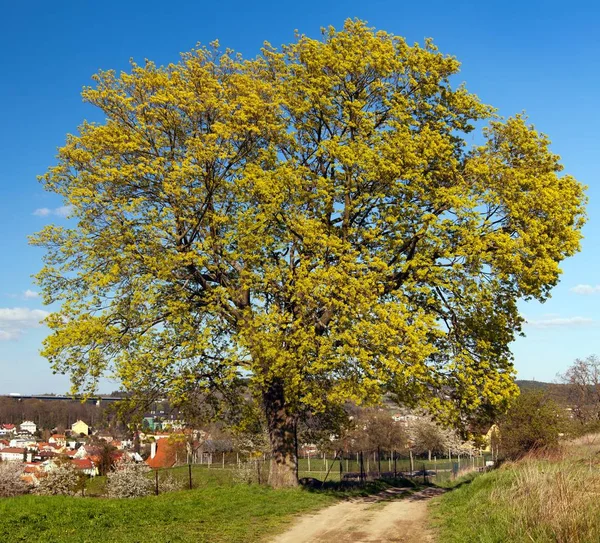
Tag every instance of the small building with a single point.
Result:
(80, 427)
(28, 426)
(6, 429)
(23, 443)
(13, 454)
(58, 439)
(86, 466)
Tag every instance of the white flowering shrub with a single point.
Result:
(129, 479)
(168, 483)
(246, 472)
(63, 479)
(11, 479)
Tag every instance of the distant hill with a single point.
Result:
(557, 391)
(526, 384)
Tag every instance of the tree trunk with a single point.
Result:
(282, 436)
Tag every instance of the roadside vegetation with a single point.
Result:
(551, 499)
(544, 490)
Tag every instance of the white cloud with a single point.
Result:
(15, 321)
(30, 294)
(586, 290)
(62, 211)
(42, 212)
(557, 322)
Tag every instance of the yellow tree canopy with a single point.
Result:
(314, 217)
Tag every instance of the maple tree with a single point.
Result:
(313, 219)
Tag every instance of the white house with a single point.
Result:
(59, 439)
(12, 454)
(28, 426)
(24, 443)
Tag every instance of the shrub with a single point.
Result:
(62, 479)
(168, 483)
(128, 479)
(11, 479)
(533, 422)
(246, 472)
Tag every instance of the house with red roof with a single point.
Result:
(13, 454)
(6, 429)
(86, 466)
(166, 454)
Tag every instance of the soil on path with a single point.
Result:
(393, 516)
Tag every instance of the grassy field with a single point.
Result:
(217, 510)
(212, 513)
(550, 499)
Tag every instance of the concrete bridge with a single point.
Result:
(65, 398)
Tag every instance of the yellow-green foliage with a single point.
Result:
(313, 216)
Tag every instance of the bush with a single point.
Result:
(246, 472)
(168, 483)
(11, 479)
(62, 479)
(128, 479)
(533, 422)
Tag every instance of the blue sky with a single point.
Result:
(541, 57)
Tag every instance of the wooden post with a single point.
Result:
(341, 469)
(362, 471)
(378, 461)
(395, 466)
(223, 460)
(309, 463)
(412, 463)
(190, 474)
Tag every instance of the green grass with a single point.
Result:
(544, 500)
(216, 510)
(212, 513)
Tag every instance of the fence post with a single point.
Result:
(362, 467)
(395, 469)
(341, 469)
(190, 474)
(424, 474)
(379, 461)
(156, 482)
(412, 463)
(223, 460)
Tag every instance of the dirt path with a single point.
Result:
(393, 516)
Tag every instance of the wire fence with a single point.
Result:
(345, 468)
(341, 467)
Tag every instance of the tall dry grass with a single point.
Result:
(544, 497)
(556, 496)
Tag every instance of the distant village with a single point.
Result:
(83, 447)
(91, 451)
